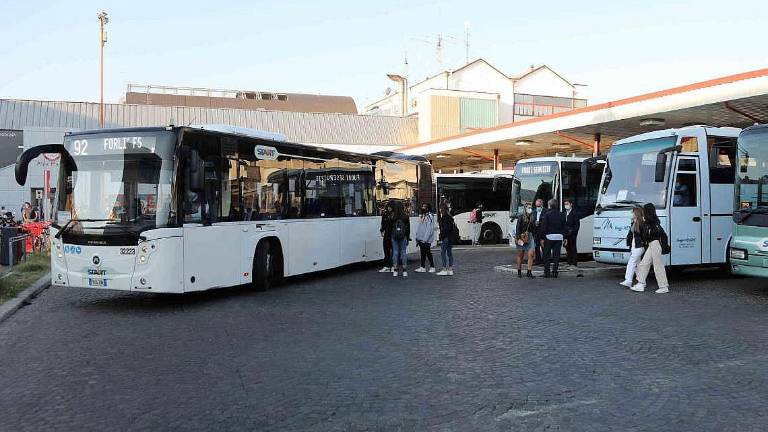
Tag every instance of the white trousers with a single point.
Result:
(653, 257)
(635, 255)
(476, 233)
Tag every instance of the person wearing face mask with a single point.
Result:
(572, 225)
(425, 235)
(538, 216)
(524, 240)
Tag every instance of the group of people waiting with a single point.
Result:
(396, 234)
(541, 234)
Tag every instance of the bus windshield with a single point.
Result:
(629, 178)
(120, 183)
(533, 180)
(752, 176)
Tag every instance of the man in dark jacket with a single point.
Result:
(386, 236)
(553, 228)
(572, 225)
(538, 217)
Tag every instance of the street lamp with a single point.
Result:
(103, 20)
(403, 89)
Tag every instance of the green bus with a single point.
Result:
(748, 250)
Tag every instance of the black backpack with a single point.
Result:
(398, 229)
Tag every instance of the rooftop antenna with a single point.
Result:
(438, 41)
(466, 42)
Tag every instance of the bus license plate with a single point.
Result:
(618, 255)
(97, 282)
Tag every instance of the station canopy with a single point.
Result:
(737, 100)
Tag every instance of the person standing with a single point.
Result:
(447, 228)
(552, 227)
(635, 244)
(524, 239)
(538, 213)
(476, 219)
(401, 235)
(572, 225)
(656, 241)
(425, 235)
(386, 237)
(27, 213)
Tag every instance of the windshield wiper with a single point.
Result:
(628, 202)
(70, 223)
(741, 215)
(616, 205)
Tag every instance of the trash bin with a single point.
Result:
(7, 233)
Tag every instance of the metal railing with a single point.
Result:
(12, 251)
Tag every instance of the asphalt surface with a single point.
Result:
(359, 350)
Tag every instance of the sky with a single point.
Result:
(618, 49)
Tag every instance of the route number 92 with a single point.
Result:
(80, 147)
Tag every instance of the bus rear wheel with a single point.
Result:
(266, 267)
(490, 234)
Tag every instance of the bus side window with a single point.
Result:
(722, 159)
(685, 190)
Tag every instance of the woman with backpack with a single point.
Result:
(525, 240)
(636, 247)
(425, 234)
(447, 232)
(401, 235)
(656, 245)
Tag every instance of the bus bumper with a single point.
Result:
(611, 256)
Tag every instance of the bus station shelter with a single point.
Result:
(736, 100)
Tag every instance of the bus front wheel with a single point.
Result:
(267, 266)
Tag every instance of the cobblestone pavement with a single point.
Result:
(359, 350)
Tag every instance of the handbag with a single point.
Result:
(524, 237)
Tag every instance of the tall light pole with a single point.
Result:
(403, 91)
(103, 20)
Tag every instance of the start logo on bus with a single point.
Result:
(266, 152)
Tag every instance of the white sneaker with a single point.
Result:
(385, 270)
(420, 270)
(626, 283)
(432, 270)
(442, 273)
(638, 287)
(405, 273)
(450, 272)
(394, 273)
(662, 290)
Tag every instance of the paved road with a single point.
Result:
(364, 351)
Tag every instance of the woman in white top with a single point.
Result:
(635, 243)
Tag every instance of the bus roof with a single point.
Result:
(710, 130)
(481, 174)
(572, 158)
(276, 138)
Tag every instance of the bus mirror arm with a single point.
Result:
(661, 162)
(196, 172)
(588, 163)
(22, 162)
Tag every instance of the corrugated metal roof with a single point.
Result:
(311, 128)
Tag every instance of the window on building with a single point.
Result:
(539, 105)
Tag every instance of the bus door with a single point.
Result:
(685, 213)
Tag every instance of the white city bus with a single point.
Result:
(688, 174)
(463, 191)
(558, 177)
(180, 209)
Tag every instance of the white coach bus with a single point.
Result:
(559, 177)
(180, 209)
(463, 191)
(688, 174)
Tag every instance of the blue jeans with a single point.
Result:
(399, 255)
(446, 253)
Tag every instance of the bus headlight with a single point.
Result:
(595, 240)
(740, 254)
(57, 247)
(142, 259)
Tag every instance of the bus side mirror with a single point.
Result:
(384, 187)
(196, 171)
(661, 167)
(744, 163)
(22, 162)
(495, 184)
(584, 168)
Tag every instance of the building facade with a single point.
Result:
(478, 96)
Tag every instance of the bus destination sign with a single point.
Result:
(111, 145)
(533, 169)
